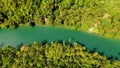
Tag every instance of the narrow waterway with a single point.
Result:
(27, 35)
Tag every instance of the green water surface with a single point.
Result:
(27, 35)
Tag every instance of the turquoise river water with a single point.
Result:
(27, 35)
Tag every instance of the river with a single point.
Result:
(28, 35)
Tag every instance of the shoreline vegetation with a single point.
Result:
(90, 16)
(100, 17)
(53, 55)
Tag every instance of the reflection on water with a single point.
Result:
(27, 35)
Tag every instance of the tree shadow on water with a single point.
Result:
(2, 45)
(113, 57)
(19, 46)
(44, 42)
(110, 58)
(80, 43)
(66, 42)
(94, 50)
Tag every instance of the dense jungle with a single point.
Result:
(100, 17)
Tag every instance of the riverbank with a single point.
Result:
(79, 15)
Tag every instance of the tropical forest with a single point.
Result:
(59, 33)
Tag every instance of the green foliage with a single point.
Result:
(64, 13)
(74, 14)
(53, 55)
(84, 26)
